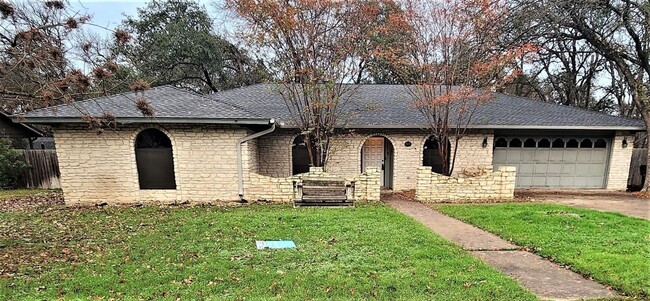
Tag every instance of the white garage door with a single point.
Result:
(561, 162)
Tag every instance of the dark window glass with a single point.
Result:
(572, 143)
(544, 143)
(530, 143)
(558, 143)
(515, 142)
(154, 160)
(600, 143)
(586, 143)
(501, 142)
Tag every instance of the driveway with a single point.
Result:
(620, 202)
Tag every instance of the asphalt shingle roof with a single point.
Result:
(167, 102)
(369, 106)
(391, 106)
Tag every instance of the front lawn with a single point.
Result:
(612, 248)
(369, 252)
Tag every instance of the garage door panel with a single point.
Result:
(596, 168)
(539, 181)
(500, 156)
(527, 168)
(585, 156)
(582, 169)
(553, 181)
(541, 155)
(524, 181)
(598, 156)
(556, 167)
(556, 155)
(528, 155)
(570, 155)
(514, 155)
(568, 168)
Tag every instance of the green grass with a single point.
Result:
(369, 252)
(21, 193)
(612, 248)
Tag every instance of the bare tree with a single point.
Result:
(39, 57)
(618, 30)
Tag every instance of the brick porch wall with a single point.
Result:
(274, 153)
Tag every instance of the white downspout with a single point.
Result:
(240, 165)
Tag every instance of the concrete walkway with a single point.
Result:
(542, 277)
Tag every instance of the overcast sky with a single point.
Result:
(109, 13)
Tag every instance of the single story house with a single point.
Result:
(208, 148)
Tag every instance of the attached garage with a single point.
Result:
(555, 161)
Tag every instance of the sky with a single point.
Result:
(109, 13)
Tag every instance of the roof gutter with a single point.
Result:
(240, 165)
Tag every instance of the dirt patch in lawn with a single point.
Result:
(614, 201)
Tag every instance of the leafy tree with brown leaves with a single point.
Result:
(458, 61)
(316, 50)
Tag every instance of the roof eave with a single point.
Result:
(162, 120)
(501, 127)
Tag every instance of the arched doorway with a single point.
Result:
(378, 151)
(431, 155)
(300, 161)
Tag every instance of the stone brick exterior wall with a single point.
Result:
(274, 153)
(471, 153)
(102, 168)
(260, 187)
(619, 161)
(432, 187)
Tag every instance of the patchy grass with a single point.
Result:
(24, 193)
(612, 248)
(369, 252)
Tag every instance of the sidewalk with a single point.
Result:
(542, 277)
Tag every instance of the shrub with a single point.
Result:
(11, 164)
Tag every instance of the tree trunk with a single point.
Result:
(646, 119)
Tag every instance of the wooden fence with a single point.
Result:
(43, 169)
(639, 158)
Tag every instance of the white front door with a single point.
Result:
(373, 155)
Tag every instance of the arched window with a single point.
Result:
(558, 143)
(544, 143)
(530, 143)
(586, 143)
(515, 142)
(155, 160)
(501, 142)
(431, 155)
(300, 161)
(600, 143)
(572, 143)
